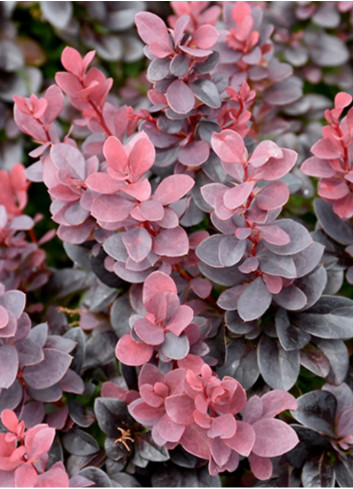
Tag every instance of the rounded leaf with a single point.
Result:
(180, 97)
(273, 437)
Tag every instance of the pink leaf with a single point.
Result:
(315, 167)
(229, 146)
(56, 476)
(131, 352)
(169, 430)
(157, 282)
(171, 242)
(180, 409)
(180, 319)
(220, 451)
(325, 149)
(273, 437)
(276, 401)
(9, 420)
(205, 36)
(196, 441)
(150, 210)
(261, 467)
(274, 234)
(39, 440)
(224, 426)
(275, 168)
(330, 188)
(237, 196)
(180, 97)
(263, 152)
(240, 11)
(273, 283)
(25, 476)
(140, 190)
(152, 29)
(243, 440)
(141, 155)
(143, 413)
(103, 183)
(111, 208)
(72, 61)
(148, 332)
(115, 155)
(272, 196)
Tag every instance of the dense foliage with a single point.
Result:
(191, 323)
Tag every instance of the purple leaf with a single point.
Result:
(337, 354)
(194, 154)
(29, 352)
(180, 97)
(282, 266)
(231, 250)
(179, 65)
(290, 337)
(254, 301)
(72, 382)
(175, 347)
(273, 437)
(14, 301)
(330, 318)
(279, 368)
(291, 298)
(317, 410)
(207, 92)
(8, 365)
(318, 472)
(49, 371)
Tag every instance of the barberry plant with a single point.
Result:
(200, 311)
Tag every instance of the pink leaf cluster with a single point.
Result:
(167, 327)
(192, 407)
(200, 13)
(24, 455)
(332, 162)
(22, 262)
(35, 116)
